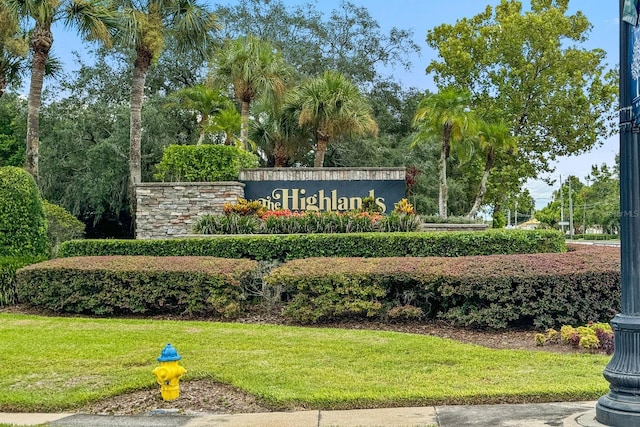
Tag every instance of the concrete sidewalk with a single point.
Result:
(569, 414)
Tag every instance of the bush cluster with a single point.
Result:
(593, 336)
(139, 285)
(61, 226)
(203, 163)
(250, 217)
(487, 292)
(287, 222)
(23, 226)
(294, 246)
(8, 267)
(490, 292)
(596, 236)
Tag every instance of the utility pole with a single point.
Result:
(570, 211)
(621, 406)
(561, 206)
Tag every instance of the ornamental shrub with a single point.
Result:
(61, 226)
(8, 267)
(137, 285)
(294, 246)
(23, 226)
(203, 163)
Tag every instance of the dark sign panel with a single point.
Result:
(324, 195)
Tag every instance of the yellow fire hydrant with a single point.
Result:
(169, 372)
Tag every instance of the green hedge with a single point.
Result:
(8, 267)
(137, 285)
(294, 246)
(489, 292)
(203, 163)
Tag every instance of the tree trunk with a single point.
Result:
(443, 194)
(321, 150)
(41, 42)
(482, 189)
(3, 85)
(244, 124)
(141, 65)
(204, 120)
(280, 156)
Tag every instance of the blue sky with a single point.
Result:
(422, 15)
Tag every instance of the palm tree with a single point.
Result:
(255, 69)
(446, 115)
(92, 20)
(226, 121)
(145, 27)
(277, 134)
(204, 101)
(14, 47)
(492, 139)
(331, 106)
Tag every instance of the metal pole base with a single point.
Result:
(618, 410)
(621, 407)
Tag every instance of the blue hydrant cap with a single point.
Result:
(169, 354)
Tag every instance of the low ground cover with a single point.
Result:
(64, 363)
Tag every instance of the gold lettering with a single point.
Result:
(343, 204)
(355, 203)
(380, 204)
(312, 203)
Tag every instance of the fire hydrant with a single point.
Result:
(169, 372)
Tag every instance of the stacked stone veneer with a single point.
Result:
(169, 209)
(323, 174)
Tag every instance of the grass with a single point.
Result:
(52, 364)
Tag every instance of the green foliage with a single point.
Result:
(244, 207)
(8, 267)
(530, 68)
(499, 220)
(137, 285)
(497, 292)
(23, 226)
(287, 222)
(12, 135)
(61, 225)
(203, 163)
(286, 247)
(312, 42)
(593, 336)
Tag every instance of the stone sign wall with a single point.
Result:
(169, 209)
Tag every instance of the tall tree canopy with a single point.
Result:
(92, 20)
(330, 106)
(445, 117)
(254, 69)
(14, 47)
(349, 40)
(145, 27)
(555, 95)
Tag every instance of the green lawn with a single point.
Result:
(51, 363)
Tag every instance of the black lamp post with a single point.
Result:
(621, 406)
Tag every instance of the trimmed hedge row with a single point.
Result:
(295, 246)
(495, 292)
(145, 285)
